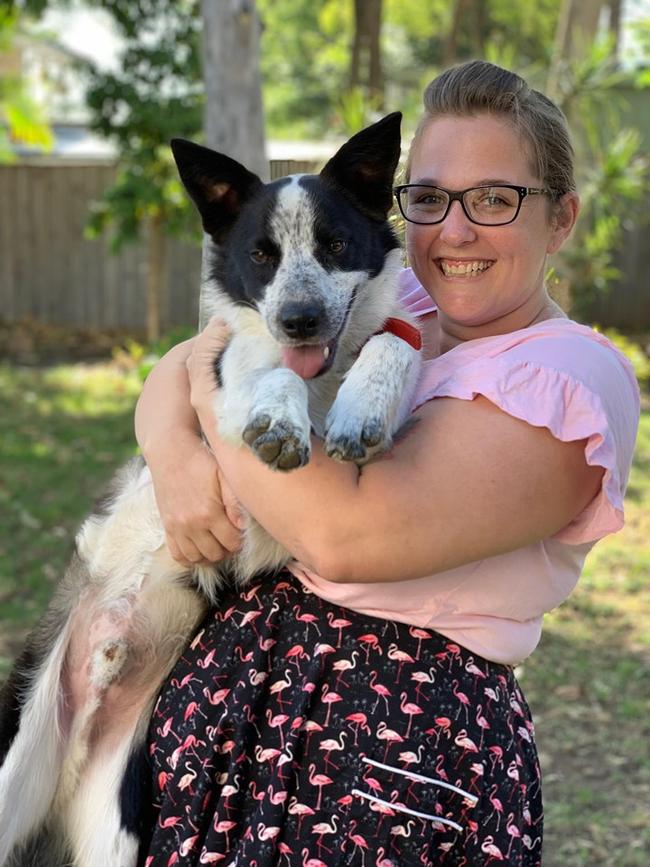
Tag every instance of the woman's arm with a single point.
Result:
(466, 483)
(200, 519)
(166, 398)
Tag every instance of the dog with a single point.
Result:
(304, 271)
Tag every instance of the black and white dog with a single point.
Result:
(304, 271)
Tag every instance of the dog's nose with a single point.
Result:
(301, 320)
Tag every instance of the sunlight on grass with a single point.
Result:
(90, 390)
(62, 433)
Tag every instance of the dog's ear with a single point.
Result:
(218, 185)
(365, 165)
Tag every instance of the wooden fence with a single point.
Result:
(49, 271)
(626, 305)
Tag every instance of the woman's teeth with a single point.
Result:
(463, 268)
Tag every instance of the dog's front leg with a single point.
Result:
(264, 404)
(374, 400)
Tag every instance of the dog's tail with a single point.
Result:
(45, 849)
(32, 727)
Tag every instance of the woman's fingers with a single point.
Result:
(211, 548)
(208, 345)
(188, 553)
(234, 511)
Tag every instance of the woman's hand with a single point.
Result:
(206, 348)
(201, 517)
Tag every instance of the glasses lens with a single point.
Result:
(491, 205)
(423, 204)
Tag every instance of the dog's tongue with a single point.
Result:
(306, 361)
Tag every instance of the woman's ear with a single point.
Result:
(563, 218)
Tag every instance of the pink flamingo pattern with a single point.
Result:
(295, 732)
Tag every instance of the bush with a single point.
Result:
(132, 355)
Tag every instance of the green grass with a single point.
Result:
(63, 431)
(589, 687)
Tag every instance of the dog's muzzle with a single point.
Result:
(303, 321)
(305, 324)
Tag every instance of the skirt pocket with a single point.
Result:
(403, 818)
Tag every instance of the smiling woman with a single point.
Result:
(483, 257)
(418, 583)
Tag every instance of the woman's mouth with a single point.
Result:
(464, 267)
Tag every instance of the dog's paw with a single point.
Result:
(358, 442)
(279, 443)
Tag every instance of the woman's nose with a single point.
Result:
(457, 229)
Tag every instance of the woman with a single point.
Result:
(361, 707)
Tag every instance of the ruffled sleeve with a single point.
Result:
(567, 378)
(412, 295)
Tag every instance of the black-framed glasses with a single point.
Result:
(493, 205)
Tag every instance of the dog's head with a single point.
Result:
(299, 249)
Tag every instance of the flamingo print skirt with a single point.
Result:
(296, 733)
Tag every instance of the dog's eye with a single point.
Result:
(337, 246)
(260, 257)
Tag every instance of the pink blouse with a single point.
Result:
(557, 374)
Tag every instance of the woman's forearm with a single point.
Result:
(164, 409)
(467, 482)
(200, 518)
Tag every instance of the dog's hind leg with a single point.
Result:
(104, 788)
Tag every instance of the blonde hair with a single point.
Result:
(479, 87)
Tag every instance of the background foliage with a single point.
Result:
(21, 118)
(311, 91)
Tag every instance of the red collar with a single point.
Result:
(404, 330)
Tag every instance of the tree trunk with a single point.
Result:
(479, 16)
(365, 58)
(156, 274)
(576, 30)
(234, 118)
(355, 55)
(615, 24)
(450, 51)
(577, 27)
(375, 71)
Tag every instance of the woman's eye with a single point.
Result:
(429, 199)
(337, 246)
(494, 201)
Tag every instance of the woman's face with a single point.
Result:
(483, 275)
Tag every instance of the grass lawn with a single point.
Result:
(62, 432)
(588, 684)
